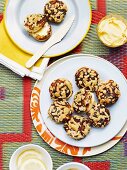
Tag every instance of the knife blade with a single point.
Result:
(55, 38)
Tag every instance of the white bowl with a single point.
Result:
(47, 158)
(77, 166)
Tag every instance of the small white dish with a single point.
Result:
(73, 165)
(46, 157)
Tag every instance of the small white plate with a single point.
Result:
(18, 10)
(73, 165)
(66, 67)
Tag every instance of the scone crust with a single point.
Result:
(99, 116)
(40, 36)
(83, 101)
(60, 111)
(55, 11)
(108, 92)
(61, 89)
(77, 127)
(87, 78)
(34, 22)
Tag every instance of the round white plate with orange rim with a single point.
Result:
(18, 10)
(57, 143)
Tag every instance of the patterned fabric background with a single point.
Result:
(16, 128)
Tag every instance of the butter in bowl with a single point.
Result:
(112, 30)
(31, 157)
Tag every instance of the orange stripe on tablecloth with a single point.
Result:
(101, 6)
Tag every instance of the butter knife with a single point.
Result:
(55, 38)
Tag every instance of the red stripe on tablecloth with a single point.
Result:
(14, 137)
(78, 49)
(26, 102)
(125, 65)
(2, 93)
(97, 16)
(98, 165)
(1, 164)
(77, 159)
(100, 12)
(1, 17)
(101, 6)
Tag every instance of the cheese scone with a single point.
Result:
(44, 33)
(34, 22)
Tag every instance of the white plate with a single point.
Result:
(17, 10)
(66, 67)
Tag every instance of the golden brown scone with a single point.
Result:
(83, 101)
(108, 92)
(99, 115)
(60, 111)
(44, 33)
(34, 22)
(60, 89)
(77, 127)
(87, 78)
(55, 11)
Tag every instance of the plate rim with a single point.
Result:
(91, 56)
(83, 152)
(56, 55)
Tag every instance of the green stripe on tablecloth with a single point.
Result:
(92, 45)
(2, 5)
(12, 106)
(117, 7)
(93, 4)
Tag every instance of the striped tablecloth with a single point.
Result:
(16, 128)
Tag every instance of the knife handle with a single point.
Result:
(39, 53)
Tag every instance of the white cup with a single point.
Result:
(75, 165)
(47, 158)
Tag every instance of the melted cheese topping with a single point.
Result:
(30, 160)
(112, 31)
